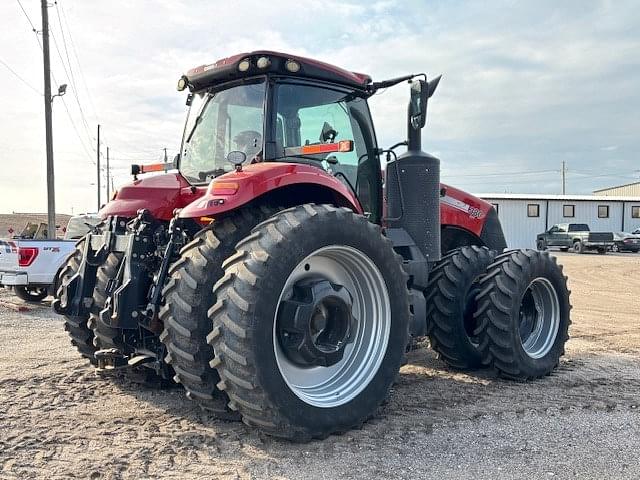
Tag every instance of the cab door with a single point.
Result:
(552, 236)
(312, 113)
(562, 236)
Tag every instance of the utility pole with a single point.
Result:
(98, 165)
(51, 195)
(108, 196)
(165, 154)
(564, 181)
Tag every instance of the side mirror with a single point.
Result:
(418, 103)
(421, 91)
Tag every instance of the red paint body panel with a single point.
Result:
(461, 209)
(260, 178)
(160, 194)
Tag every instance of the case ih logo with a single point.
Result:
(460, 205)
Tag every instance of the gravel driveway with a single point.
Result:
(59, 420)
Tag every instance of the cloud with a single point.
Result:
(526, 85)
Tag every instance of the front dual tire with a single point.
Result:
(523, 314)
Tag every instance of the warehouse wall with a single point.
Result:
(632, 190)
(520, 230)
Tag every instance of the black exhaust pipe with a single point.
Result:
(413, 181)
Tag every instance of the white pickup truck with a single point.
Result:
(30, 263)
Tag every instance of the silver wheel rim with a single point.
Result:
(539, 318)
(338, 384)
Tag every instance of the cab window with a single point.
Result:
(230, 120)
(311, 115)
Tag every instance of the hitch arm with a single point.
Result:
(156, 298)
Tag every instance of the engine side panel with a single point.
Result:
(160, 194)
(463, 211)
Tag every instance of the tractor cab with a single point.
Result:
(270, 107)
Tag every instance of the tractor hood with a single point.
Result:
(160, 194)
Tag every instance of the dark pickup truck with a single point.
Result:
(574, 235)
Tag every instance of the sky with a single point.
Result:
(526, 85)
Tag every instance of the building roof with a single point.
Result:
(617, 186)
(576, 198)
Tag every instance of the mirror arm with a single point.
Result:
(414, 140)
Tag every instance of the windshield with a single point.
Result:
(229, 120)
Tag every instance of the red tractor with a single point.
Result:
(280, 274)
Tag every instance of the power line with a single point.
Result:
(20, 78)
(27, 15)
(76, 130)
(33, 28)
(73, 89)
(66, 108)
(504, 174)
(70, 74)
(66, 50)
(75, 53)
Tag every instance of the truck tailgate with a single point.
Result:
(600, 237)
(8, 256)
(29, 262)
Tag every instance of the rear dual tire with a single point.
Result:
(264, 382)
(189, 295)
(77, 327)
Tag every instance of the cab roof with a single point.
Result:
(227, 69)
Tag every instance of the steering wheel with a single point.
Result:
(203, 175)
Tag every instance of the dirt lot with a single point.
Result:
(17, 221)
(59, 420)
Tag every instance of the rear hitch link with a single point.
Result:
(156, 297)
(128, 291)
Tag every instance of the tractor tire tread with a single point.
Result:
(501, 290)
(453, 276)
(77, 326)
(233, 334)
(188, 296)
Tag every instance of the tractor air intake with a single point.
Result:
(413, 200)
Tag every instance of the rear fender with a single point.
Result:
(296, 184)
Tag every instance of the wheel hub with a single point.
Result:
(539, 318)
(316, 323)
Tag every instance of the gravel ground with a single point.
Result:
(59, 420)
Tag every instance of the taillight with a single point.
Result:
(26, 255)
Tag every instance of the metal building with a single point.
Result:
(628, 190)
(523, 216)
